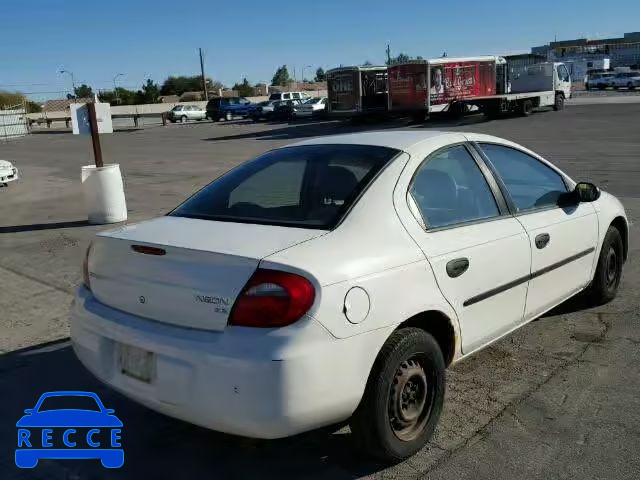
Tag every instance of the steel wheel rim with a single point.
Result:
(612, 267)
(410, 399)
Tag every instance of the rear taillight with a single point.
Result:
(85, 267)
(272, 298)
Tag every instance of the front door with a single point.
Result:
(479, 253)
(563, 239)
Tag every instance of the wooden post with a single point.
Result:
(95, 136)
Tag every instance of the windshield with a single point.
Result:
(309, 186)
(69, 402)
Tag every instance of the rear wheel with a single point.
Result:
(403, 398)
(605, 283)
(526, 107)
(559, 102)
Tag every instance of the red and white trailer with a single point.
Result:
(454, 84)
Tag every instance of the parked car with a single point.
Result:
(314, 107)
(182, 113)
(262, 110)
(598, 80)
(629, 80)
(289, 96)
(286, 109)
(8, 173)
(227, 108)
(270, 304)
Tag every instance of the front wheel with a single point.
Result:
(183, 119)
(403, 398)
(606, 281)
(228, 117)
(630, 86)
(559, 102)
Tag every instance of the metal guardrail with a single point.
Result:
(67, 120)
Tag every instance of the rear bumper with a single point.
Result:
(259, 383)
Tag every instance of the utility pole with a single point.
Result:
(388, 54)
(204, 80)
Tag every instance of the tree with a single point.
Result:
(83, 91)
(367, 63)
(281, 77)
(244, 89)
(321, 76)
(180, 84)
(10, 99)
(149, 92)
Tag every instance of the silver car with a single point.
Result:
(182, 113)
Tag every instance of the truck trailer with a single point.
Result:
(357, 91)
(455, 84)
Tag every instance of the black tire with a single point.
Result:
(630, 86)
(559, 102)
(183, 119)
(228, 116)
(526, 108)
(606, 281)
(412, 358)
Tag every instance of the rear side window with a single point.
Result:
(274, 96)
(530, 183)
(311, 186)
(449, 189)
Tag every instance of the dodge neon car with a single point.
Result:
(337, 278)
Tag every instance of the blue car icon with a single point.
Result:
(52, 430)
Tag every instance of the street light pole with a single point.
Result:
(73, 81)
(115, 88)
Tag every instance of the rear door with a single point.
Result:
(563, 239)
(479, 253)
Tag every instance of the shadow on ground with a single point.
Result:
(156, 446)
(43, 226)
(296, 130)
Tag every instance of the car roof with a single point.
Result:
(398, 139)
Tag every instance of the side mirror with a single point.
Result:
(587, 192)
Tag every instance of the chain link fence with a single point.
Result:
(13, 121)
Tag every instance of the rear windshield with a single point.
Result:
(274, 96)
(311, 186)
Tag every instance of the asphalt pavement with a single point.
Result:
(557, 399)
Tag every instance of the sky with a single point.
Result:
(97, 40)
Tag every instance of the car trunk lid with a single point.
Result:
(183, 271)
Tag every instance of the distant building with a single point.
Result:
(63, 104)
(261, 90)
(168, 99)
(622, 51)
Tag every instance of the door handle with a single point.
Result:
(457, 267)
(542, 240)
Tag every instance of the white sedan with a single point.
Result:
(8, 173)
(338, 278)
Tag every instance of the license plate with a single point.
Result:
(136, 363)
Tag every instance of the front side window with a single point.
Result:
(529, 182)
(311, 186)
(449, 188)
